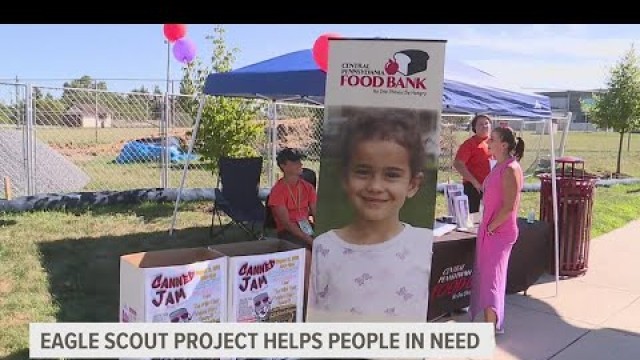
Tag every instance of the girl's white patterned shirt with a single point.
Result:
(389, 279)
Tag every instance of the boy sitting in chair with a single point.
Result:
(292, 200)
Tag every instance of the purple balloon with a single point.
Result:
(184, 50)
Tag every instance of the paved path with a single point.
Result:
(594, 317)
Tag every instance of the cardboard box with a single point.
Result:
(265, 281)
(179, 285)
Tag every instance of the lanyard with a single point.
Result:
(297, 201)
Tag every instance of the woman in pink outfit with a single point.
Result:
(498, 229)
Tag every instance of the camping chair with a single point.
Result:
(269, 220)
(310, 176)
(238, 198)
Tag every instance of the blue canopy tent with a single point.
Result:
(296, 77)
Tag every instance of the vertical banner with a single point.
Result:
(376, 201)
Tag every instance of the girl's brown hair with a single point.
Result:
(515, 144)
(397, 125)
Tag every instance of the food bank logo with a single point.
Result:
(407, 62)
(401, 71)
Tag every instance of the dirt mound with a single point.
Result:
(53, 171)
(296, 133)
(85, 151)
(78, 151)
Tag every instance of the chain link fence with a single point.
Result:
(119, 140)
(61, 139)
(15, 164)
(298, 126)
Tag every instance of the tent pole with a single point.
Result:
(274, 140)
(554, 191)
(192, 142)
(270, 138)
(565, 131)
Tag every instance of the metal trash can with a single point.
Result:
(576, 193)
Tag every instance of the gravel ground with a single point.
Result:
(53, 172)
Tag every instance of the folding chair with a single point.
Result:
(310, 176)
(236, 195)
(269, 219)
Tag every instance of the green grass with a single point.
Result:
(94, 151)
(63, 266)
(598, 149)
(105, 174)
(89, 136)
(612, 208)
(615, 207)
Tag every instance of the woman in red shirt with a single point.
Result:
(472, 160)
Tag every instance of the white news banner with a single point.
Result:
(262, 340)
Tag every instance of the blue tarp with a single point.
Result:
(144, 150)
(296, 75)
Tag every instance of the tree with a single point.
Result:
(7, 114)
(70, 94)
(76, 92)
(141, 103)
(37, 93)
(141, 90)
(228, 127)
(619, 106)
(86, 82)
(49, 111)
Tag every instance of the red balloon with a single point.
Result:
(174, 32)
(321, 50)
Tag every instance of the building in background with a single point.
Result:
(565, 101)
(87, 116)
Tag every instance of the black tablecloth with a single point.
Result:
(452, 265)
(529, 256)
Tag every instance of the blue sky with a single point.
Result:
(533, 56)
